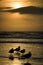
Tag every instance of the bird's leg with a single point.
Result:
(27, 60)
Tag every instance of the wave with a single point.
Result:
(23, 35)
(21, 42)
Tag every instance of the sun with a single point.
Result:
(17, 5)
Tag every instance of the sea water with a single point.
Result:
(36, 50)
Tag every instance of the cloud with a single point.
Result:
(27, 10)
(4, 8)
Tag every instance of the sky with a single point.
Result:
(20, 22)
(25, 2)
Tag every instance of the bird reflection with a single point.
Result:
(27, 64)
(11, 57)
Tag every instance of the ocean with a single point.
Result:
(36, 50)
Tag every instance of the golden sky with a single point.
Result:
(23, 2)
(20, 22)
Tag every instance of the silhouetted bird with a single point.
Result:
(28, 55)
(11, 50)
(22, 51)
(17, 49)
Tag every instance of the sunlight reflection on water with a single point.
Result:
(17, 62)
(36, 50)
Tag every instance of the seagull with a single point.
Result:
(17, 49)
(11, 50)
(22, 51)
(28, 55)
